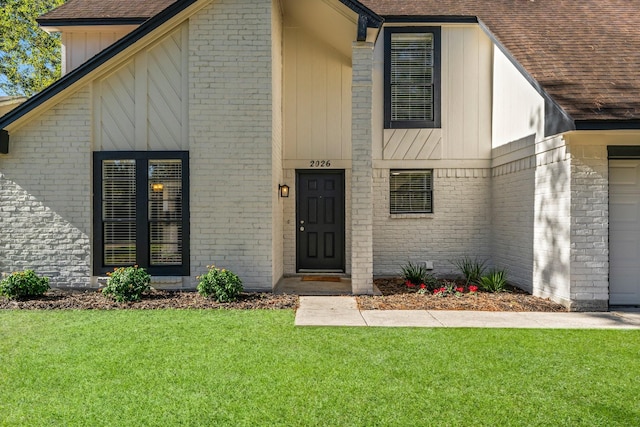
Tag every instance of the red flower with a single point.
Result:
(473, 288)
(460, 289)
(423, 286)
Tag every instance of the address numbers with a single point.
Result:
(319, 163)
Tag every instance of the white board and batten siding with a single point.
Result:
(465, 103)
(79, 44)
(143, 104)
(317, 100)
(624, 232)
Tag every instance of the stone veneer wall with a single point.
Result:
(45, 195)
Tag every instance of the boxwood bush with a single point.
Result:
(127, 284)
(23, 284)
(220, 284)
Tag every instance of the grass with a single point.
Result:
(172, 367)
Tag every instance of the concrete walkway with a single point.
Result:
(343, 311)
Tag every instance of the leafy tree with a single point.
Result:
(29, 57)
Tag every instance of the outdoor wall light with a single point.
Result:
(157, 187)
(284, 190)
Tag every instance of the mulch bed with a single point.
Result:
(396, 296)
(94, 300)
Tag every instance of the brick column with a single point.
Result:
(362, 169)
(589, 228)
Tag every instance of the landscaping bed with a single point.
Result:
(397, 296)
(156, 299)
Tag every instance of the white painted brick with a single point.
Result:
(459, 226)
(45, 194)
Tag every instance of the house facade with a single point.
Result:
(402, 131)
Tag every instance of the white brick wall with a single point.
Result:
(589, 227)
(45, 195)
(459, 226)
(277, 142)
(231, 137)
(512, 218)
(362, 196)
(550, 220)
(552, 239)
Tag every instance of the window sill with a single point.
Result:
(412, 216)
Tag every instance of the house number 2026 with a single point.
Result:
(319, 163)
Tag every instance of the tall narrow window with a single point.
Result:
(411, 191)
(141, 211)
(119, 212)
(412, 77)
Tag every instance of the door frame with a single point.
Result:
(299, 193)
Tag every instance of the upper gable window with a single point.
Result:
(412, 77)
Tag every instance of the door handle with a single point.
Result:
(301, 228)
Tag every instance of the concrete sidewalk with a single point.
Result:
(343, 311)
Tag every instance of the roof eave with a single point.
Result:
(608, 124)
(373, 20)
(55, 24)
(428, 19)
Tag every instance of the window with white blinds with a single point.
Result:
(411, 191)
(165, 211)
(141, 211)
(412, 77)
(119, 212)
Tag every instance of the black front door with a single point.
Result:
(320, 220)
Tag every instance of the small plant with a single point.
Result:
(415, 275)
(471, 269)
(220, 284)
(449, 288)
(23, 284)
(127, 283)
(494, 281)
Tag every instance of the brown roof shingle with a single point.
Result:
(584, 53)
(106, 9)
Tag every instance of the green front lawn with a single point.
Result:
(172, 367)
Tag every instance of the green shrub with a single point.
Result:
(415, 275)
(494, 281)
(127, 284)
(220, 284)
(23, 284)
(471, 269)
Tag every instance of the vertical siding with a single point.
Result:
(466, 95)
(78, 46)
(317, 99)
(143, 105)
